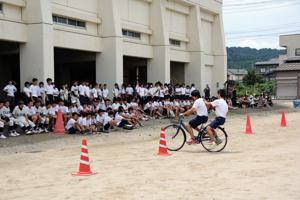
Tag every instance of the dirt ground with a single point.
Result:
(264, 165)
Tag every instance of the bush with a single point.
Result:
(256, 89)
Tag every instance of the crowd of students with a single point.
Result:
(87, 108)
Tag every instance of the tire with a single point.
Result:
(175, 137)
(221, 134)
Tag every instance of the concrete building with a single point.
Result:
(266, 68)
(112, 41)
(236, 74)
(288, 72)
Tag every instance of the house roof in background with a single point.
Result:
(273, 61)
(288, 67)
(238, 71)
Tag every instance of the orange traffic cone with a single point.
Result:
(248, 126)
(162, 151)
(59, 127)
(283, 121)
(84, 166)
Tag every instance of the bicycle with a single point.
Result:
(176, 137)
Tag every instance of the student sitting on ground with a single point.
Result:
(73, 126)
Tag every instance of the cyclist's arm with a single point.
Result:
(209, 105)
(189, 112)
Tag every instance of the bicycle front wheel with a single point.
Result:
(175, 137)
(220, 137)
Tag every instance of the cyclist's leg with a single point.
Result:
(194, 123)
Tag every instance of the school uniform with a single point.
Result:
(70, 126)
(49, 92)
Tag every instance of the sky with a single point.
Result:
(258, 23)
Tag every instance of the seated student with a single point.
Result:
(89, 123)
(73, 126)
(136, 119)
(122, 120)
(221, 109)
(202, 116)
(21, 114)
(7, 118)
(177, 108)
(108, 122)
(65, 111)
(50, 114)
(168, 108)
(82, 122)
(32, 116)
(42, 118)
(157, 109)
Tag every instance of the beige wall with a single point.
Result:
(197, 24)
(291, 42)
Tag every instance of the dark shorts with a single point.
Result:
(72, 130)
(198, 120)
(218, 121)
(123, 123)
(106, 126)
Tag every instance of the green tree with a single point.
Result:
(252, 78)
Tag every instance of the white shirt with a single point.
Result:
(200, 107)
(221, 107)
(70, 123)
(10, 89)
(49, 89)
(74, 89)
(27, 91)
(118, 118)
(115, 91)
(41, 91)
(81, 90)
(105, 93)
(20, 113)
(129, 90)
(34, 90)
(82, 121)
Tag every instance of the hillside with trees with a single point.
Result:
(245, 57)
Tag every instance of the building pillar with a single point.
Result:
(37, 55)
(298, 87)
(109, 63)
(194, 70)
(158, 68)
(220, 54)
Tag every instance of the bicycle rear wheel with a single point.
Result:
(221, 136)
(175, 137)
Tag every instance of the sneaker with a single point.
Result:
(40, 130)
(191, 142)
(211, 146)
(218, 140)
(46, 130)
(15, 133)
(29, 132)
(2, 137)
(11, 134)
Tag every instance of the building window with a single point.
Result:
(68, 21)
(263, 70)
(131, 34)
(297, 52)
(174, 42)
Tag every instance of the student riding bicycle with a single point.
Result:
(202, 115)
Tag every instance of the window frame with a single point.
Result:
(131, 34)
(65, 21)
(174, 42)
(297, 52)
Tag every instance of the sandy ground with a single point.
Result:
(264, 165)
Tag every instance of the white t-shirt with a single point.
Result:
(74, 89)
(129, 90)
(82, 121)
(34, 90)
(200, 106)
(10, 89)
(49, 89)
(81, 89)
(70, 123)
(27, 91)
(105, 93)
(221, 107)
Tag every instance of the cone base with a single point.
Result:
(163, 154)
(83, 173)
(249, 133)
(59, 132)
